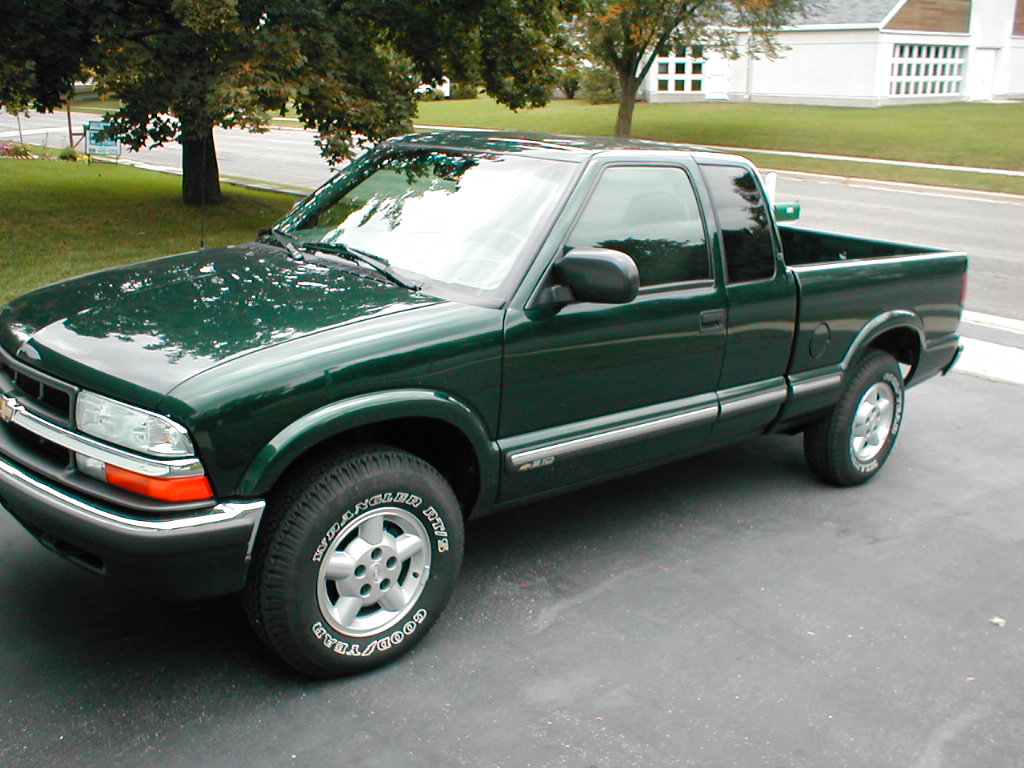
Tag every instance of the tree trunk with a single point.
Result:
(200, 179)
(627, 100)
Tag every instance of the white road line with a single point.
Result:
(921, 190)
(987, 360)
(994, 321)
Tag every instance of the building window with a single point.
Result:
(926, 70)
(686, 63)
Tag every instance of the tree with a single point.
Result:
(627, 36)
(347, 67)
(43, 46)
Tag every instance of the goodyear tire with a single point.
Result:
(355, 562)
(851, 444)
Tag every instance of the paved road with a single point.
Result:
(989, 227)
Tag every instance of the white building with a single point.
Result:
(864, 53)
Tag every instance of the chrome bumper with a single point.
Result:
(196, 556)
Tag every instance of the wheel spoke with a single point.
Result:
(339, 566)
(394, 599)
(345, 610)
(372, 531)
(408, 545)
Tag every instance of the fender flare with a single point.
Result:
(887, 321)
(362, 410)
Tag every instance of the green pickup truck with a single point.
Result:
(458, 322)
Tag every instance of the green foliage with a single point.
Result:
(625, 36)
(600, 85)
(430, 94)
(44, 45)
(9, 149)
(570, 80)
(464, 91)
(181, 67)
(68, 153)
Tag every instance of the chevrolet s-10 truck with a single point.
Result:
(458, 322)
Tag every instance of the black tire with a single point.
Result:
(850, 444)
(388, 526)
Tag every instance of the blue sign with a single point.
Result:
(94, 146)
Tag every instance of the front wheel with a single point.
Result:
(357, 560)
(850, 444)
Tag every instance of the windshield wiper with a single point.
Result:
(375, 263)
(284, 240)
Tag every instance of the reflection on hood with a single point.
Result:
(191, 311)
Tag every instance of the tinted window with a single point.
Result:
(743, 218)
(650, 213)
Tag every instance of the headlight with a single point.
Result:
(131, 427)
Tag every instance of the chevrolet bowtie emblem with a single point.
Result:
(8, 405)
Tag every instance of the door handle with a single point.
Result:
(712, 320)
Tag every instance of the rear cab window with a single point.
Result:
(744, 222)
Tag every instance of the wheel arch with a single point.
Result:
(442, 430)
(899, 332)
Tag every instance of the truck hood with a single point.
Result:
(138, 331)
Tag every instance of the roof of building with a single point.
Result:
(828, 12)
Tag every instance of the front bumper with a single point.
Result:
(196, 556)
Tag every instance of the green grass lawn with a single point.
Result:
(90, 103)
(980, 135)
(62, 219)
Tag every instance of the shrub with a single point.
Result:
(68, 153)
(464, 91)
(7, 149)
(601, 86)
(569, 81)
(429, 94)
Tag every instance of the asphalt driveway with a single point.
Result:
(723, 611)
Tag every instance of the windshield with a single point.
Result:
(435, 215)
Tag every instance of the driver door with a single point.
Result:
(595, 390)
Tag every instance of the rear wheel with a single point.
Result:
(850, 444)
(357, 560)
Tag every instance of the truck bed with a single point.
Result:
(805, 246)
(845, 282)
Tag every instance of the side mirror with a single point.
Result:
(787, 211)
(600, 275)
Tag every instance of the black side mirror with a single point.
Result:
(600, 275)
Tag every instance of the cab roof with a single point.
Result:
(578, 148)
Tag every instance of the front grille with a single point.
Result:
(40, 446)
(43, 395)
(37, 391)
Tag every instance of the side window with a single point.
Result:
(651, 213)
(743, 217)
